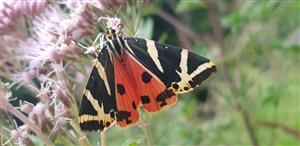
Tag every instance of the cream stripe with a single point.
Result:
(183, 61)
(98, 107)
(102, 74)
(185, 77)
(183, 66)
(93, 101)
(154, 54)
(127, 46)
(201, 68)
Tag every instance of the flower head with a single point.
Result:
(40, 115)
(12, 11)
(26, 107)
(21, 135)
(113, 23)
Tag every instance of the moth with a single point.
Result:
(130, 73)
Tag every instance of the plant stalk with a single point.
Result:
(31, 125)
(103, 138)
(218, 34)
(146, 130)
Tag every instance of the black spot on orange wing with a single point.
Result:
(148, 87)
(164, 96)
(134, 105)
(146, 77)
(145, 99)
(124, 116)
(121, 89)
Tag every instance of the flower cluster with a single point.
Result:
(40, 52)
(12, 11)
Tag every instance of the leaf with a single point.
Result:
(133, 141)
(36, 140)
(146, 28)
(185, 6)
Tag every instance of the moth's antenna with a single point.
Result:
(102, 18)
(118, 11)
(137, 32)
(94, 48)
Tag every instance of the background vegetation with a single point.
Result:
(253, 99)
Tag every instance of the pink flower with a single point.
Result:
(62, 85)
(21, 135)
(52, 43)
(11, 11)
(8, 53)
(113, 23)
(31, 7)
(79, 24)
(26, 107)
(61, 114)
(60, 110)
(46, 94)
(24, 77)
(81, 4)
(40, 115)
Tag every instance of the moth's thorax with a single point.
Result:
(117, 46)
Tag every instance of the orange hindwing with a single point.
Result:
(137, 86)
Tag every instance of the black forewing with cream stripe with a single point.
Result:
(98, 107)
(180, 70)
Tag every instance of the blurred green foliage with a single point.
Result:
(262, 54)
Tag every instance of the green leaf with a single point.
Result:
(133, 141)
(36, 140)
(185, 6)
(146, 28)
(200, 48)
(94, 137)
(152, 8)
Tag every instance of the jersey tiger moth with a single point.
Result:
(133, 72)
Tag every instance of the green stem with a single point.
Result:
(147, 132)
(83, 140)
(103, 138)
(219, 36)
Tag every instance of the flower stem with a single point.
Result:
(103, 138)
(31, 125)
(147, 132)
(83, 140)
(218, 34)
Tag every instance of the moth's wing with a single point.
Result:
(152, 92)
(179, 69)
(98, 107)
(135, 87)
(127, 101)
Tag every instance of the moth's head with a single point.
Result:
(112, 33)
